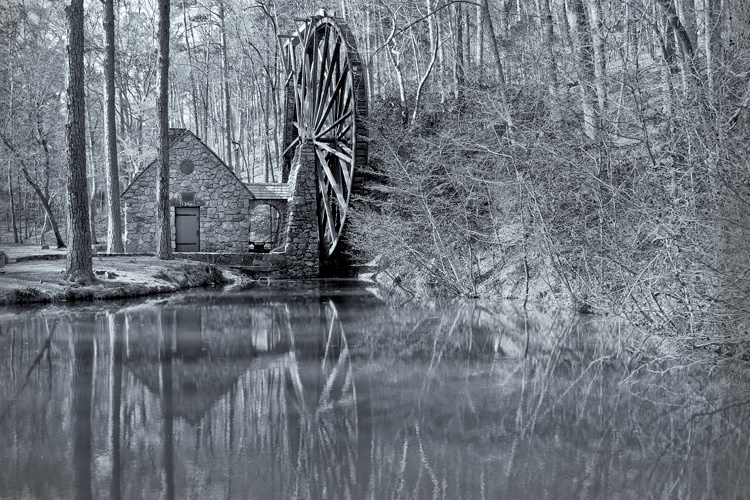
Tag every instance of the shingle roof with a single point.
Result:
(268, 191)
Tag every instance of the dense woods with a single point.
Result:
(585, 152)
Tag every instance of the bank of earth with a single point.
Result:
(37, 276)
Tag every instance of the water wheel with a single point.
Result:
(326, 104)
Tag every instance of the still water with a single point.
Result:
(330, 393)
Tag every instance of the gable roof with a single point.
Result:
(176, 134)
(196, 385)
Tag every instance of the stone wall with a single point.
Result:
(302, 249)
(223, 200)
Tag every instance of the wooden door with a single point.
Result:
(187, 229)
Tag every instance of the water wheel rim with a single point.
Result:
(327, 94)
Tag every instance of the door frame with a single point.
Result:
(197, 212)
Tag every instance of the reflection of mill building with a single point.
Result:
(212, 209)
(258, 409)
(204, 357)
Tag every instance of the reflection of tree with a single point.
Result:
(45, 350)
(167, 391)
(114, 325)
(459, 414)
(83, 347)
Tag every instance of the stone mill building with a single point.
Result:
(210, 205)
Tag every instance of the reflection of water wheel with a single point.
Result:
(322, 368)
(322, 410)
(326, 103)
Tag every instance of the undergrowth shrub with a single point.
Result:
(649, 220)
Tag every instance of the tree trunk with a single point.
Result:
(225, 81)
(467, 39)
(47, 208)
(686, 13)
(163, 227)
(395, 57)
(545, 15)
(668, 58)
(91, 165)
(92, 203)
(43, 232)
(12, 210)
(442, 58)
(11, 194)
(207, 88)
(682, 35)
(498, 62)
(596, 27)
(191, 66)
(42, 194)
(479, 44)
(79, 266)
(277, 113)
(584, 64)
(114, 213)
(422, 79)
(458, 54)
(712, 47)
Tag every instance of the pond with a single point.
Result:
(329, 392)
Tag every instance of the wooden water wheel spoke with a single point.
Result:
(327, 222)
(324, 75)
(346, 150)
(334, 181)
(323, 109)
(348, 99)
(331, 100)
(313, 88)
(339, 121)
(291, 146)
(344, 114)
(344, 132)
(327, 105)
(333, 151)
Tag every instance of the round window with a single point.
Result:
(187, 167)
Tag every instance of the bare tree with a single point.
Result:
(497, 60)
(582, 47)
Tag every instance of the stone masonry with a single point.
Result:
(224, 205)
(223, 200)
(302, 249)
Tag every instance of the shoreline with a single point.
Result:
(35, 276)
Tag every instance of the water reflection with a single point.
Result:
(83, 352)
(328, 397)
